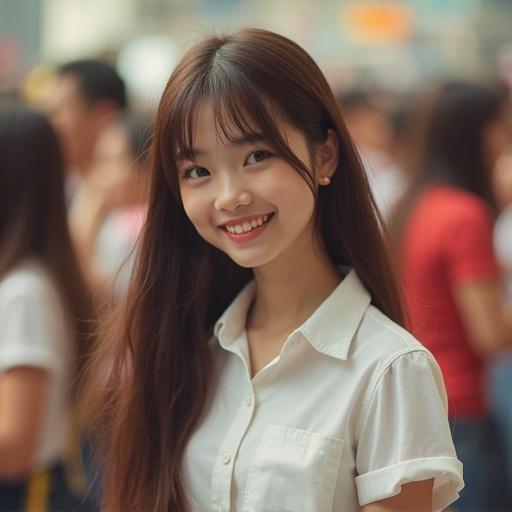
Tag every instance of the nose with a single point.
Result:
(232, 195)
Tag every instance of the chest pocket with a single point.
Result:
(293, 471)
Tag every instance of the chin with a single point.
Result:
(250, 261)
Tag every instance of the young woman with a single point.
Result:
(305, 395)
(109, 215)
(44, 315)
(451, 281)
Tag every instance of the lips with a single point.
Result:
(245, 229)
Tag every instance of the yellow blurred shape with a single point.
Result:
(36, 84)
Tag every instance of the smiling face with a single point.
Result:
(243, 198)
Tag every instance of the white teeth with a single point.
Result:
(247, 226)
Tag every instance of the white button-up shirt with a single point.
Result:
(352, 408)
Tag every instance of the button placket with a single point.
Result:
(223, 469)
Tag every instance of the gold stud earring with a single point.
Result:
(325, 180)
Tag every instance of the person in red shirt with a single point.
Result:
(450, 279)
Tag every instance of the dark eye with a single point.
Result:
(195, 173)
(257, 156)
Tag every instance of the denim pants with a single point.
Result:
(43, 491)
(478, 448)
(500, 401)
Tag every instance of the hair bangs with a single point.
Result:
(243, 110)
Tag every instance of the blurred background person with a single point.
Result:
(500, 371)
(45, 316)
(106, 234)
(451, 280)
(117, 209)
(85, 96)
(503, 231)
(375, 131)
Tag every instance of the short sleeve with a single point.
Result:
(405, 435)
(27, 336)
(468, 248)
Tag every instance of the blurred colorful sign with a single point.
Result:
(377, 22)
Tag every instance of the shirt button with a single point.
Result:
(248, 401)
(226, 458)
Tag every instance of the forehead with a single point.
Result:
(211, 126)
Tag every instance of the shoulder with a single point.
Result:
(384, 336)
(34, 327)
(28, 281)
(392, 359)
(380, 342)
(454, 203)
(445, 217)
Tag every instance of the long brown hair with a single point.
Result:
(33, 219)
(158, 385)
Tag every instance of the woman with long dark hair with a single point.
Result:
(305, 394)
(451, 282)
(45, 316)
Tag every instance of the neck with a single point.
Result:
(85, 168)
(289, 290)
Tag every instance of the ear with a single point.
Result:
(327, 156)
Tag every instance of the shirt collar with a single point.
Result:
(232, 322)
(333, 325)
(330, 329)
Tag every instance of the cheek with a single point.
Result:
(293, 197)
(197, 209)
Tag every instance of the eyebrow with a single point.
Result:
(246, 138)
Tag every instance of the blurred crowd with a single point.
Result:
(74, 189)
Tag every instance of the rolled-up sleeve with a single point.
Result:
(405, 435)
(27, 336)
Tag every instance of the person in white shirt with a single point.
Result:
(259, 364)
(116, 210)
(44, 315)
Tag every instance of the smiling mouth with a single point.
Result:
(247, 226)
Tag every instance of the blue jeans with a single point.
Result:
(26, 495)
(500, 401)
(92, 502)
(477, 447)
